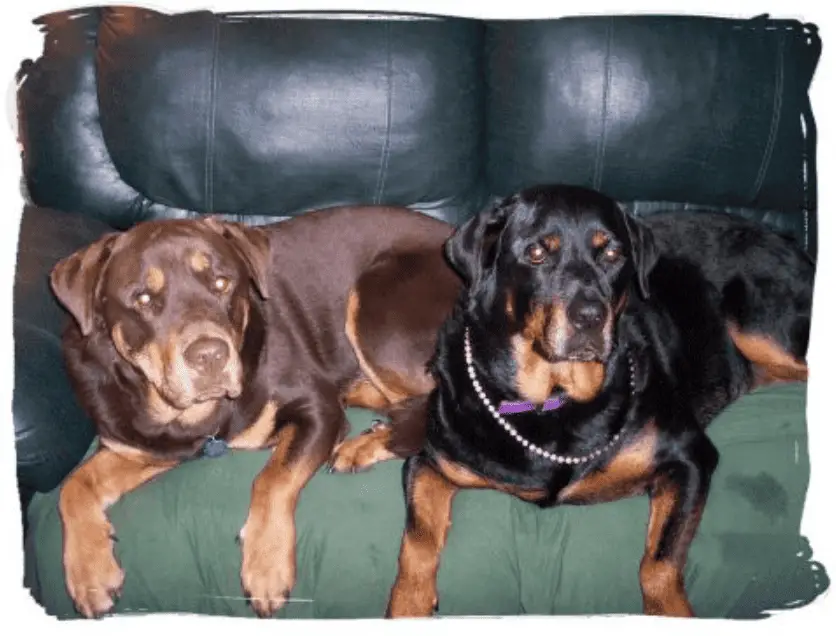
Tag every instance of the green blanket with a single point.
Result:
(504, 557)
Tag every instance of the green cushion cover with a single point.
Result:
(504, 556)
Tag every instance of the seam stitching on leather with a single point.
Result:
(602, 140)
(777, 101)
(805, 177)
(384, 156)
(209, 191)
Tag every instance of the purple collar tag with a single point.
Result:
(507, 408)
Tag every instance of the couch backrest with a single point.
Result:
(132, 114)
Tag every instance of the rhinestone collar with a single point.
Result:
(512, 431)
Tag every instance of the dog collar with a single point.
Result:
(512, 431)
(509, 408)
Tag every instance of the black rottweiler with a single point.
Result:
(584, 358)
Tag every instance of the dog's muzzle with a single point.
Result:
(206, 365)
(581, 334)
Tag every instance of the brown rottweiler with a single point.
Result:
(584, 358)
(191, 334)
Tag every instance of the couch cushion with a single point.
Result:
(275, 114)
(504, 557)
(705, 111)
(132, 114)
(51, 430)
(65, 162)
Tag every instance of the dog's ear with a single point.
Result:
(251, 244)
(643, 250)
(76, 280)
(469, 250)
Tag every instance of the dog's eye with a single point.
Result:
(142, 299)
(221, 283)
(611, 253)
(536, 253)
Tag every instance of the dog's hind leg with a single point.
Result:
(773, 363)
(770, 329)
(393, 338)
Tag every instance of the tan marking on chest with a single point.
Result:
(259, 433)
(537, 377)
(625, 475)
(465, 478)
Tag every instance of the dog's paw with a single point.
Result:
(92, 574)
(268, 567)
(362, 452)
(418, 601)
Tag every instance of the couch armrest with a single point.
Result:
(51, 431)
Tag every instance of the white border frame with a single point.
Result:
(21, 39)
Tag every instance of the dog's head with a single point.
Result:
(559, 263)
(174, 297)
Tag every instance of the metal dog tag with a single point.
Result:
(214, 447)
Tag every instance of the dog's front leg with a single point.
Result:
(91, 571)
(268, 538)
(429, 502)
(677, 498)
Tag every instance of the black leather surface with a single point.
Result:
(280, 115)
(51, 431)
(681, 109)
(65, 163)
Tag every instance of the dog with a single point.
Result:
(585, 356)
(188, 337)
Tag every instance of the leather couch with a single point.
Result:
(131, 115)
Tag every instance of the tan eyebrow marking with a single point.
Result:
(198, 261)
(155, 280)
(552, 242)
(600, 239)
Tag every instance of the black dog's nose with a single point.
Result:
(207, 355)
(586, 314)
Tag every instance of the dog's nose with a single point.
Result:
(207, 355)
(586, 314)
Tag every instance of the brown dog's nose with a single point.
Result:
(207, 355)
(586, 314)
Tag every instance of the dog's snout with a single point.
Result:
(207, 355)
(586, 314)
